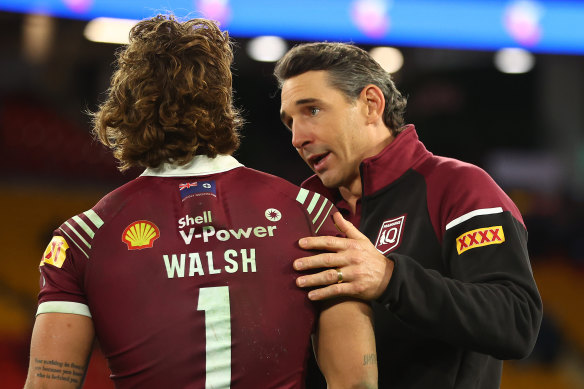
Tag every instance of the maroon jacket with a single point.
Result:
(462, 296)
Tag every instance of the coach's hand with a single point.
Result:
(357, 269)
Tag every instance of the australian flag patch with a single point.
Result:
(197, 188)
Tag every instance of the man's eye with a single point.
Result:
(314, 111)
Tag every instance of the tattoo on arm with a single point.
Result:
(58, 371)
(369, 359)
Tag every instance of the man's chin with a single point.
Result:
(327, 181)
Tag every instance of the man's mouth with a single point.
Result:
(317, 161)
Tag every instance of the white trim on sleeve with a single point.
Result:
(470, 215)
(63, 307)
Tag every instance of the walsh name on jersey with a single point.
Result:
(175, 263)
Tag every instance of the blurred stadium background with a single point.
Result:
(496, 83)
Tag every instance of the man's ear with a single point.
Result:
(374, 100)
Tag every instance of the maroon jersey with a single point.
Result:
(187, 275)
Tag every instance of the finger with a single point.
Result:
(328, 243)
(347, 227)
(319, 261)
(330, 291)
(326, 277)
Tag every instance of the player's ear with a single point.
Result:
(373, 98)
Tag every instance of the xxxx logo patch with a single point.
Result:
(479, 238)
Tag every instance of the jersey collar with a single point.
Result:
(200, 165)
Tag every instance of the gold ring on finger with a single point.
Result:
(339, 276)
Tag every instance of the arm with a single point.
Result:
(60, 348)
(366, 272)
(490, 304)
(345, 345)
(489, 301)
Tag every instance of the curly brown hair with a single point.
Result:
(171, 95)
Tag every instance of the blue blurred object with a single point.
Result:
(545, 26)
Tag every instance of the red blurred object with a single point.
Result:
(36, 140)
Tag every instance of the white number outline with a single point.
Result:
(215, 303)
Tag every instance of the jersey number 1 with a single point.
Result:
(215, 302)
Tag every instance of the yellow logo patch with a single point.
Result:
(479, 238)
(55, 253)
(140, 235)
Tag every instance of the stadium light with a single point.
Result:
(390, 58)
(267, 48)
(37, 37)
(514, 60)
(109, 30)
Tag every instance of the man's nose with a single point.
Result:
(300, 136)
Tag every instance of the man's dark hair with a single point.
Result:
(171, 95)
(350, 69)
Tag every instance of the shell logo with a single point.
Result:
(140, 235)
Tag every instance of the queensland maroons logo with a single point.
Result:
(140, 235)
(390, 234)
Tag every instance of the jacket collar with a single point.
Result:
(382, 169)
(200, 165)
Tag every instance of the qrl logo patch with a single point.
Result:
(390, 234)
(479, 238)
(140, 235)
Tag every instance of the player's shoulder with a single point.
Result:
(83, 226)
(315, 206)
(256, 180)
(116, 200)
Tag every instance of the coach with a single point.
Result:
(440, 249)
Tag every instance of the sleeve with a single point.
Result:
(319, 212)
(63, 264)
(488, 302)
